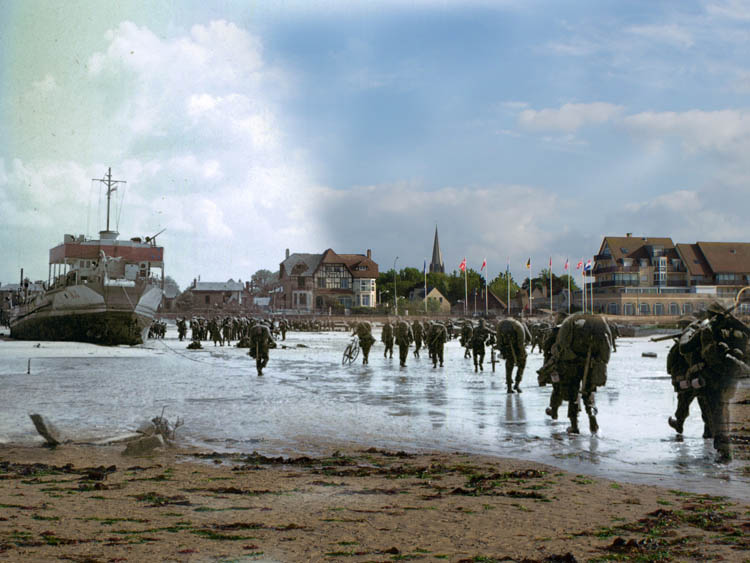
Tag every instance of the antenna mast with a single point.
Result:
(111, 187)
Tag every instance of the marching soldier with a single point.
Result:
(511, 340)
(404, 337)
(386, 337)
(480, 336)
(417, 331)
(261, 341)
(366, 340)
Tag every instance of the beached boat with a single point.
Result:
(104, 290)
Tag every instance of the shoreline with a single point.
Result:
(354, 504)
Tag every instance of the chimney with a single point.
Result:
(369, 254)
(287, 253)
(195, 282)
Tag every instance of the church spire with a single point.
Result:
(437, 264)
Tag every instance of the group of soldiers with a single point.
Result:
(705, 362)
(158, 329)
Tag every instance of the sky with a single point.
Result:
(520, 128)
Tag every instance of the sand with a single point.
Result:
(90, 503)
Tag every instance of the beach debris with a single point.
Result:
(648, 354)
(144, 446)
(46, 429)
(195, 345)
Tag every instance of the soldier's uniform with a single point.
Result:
(480, 336)
(678, 365)
(417, 331)
(583, 348)
(386, 337)
(366, 340)
(404, 337)
(438, 335)
(547, 373)
(261, 341)
(181, 329)
(467, 330)
(511, 340)
(720, 347)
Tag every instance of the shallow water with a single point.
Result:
(307, 402)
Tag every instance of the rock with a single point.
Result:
(46, 429)
(144, 446)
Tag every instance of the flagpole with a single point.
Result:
(531, 291)
(583, 287)
(424, 269)
(567, 264)
(592, 285)
(507, 283)
(551, 309)
(486, 289)
(466, 288)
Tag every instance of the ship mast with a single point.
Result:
(111, 187)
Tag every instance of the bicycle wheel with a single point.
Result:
(349, 355)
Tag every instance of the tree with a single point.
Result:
(263, 279)
(185, 301)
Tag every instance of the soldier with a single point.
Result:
(547, 373)
(181, 328)
(511, 340)
(467, 330)
(417, 331)
(480, 336)
(582, 349)
(404, 337)
(283, 327)
(261, 341)
(719, 347)
(678, 365)
(366, 340)
(437, 337)
(386, 337)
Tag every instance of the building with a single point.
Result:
(653, 276)
(218, 295)
(436, 301)
(436, 264)
(309, 282)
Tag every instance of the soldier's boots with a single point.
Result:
(550, 412)
(593, 424)
(573, 428)
(676, 424)
(517, 387)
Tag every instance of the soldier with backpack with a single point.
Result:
(511, 340)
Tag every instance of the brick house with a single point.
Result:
(230, 294)
(310, 282)
(654, 276)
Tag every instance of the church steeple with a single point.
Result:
(437, 264)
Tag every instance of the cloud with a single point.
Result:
(191, 122)
(570, 117)
(731, 9)
(671, 34)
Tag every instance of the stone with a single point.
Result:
(46, 429)
(144, 446)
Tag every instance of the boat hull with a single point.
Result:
(89, 313)
(109, 328)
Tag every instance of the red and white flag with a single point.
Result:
(484, 265)
(550, 262)
(566, 265)
(580, 264)
(462, 265)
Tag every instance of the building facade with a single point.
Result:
(639, 276)
(315, 282)
(219, 295)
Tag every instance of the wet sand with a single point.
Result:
(86, 503)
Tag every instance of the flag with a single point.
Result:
(462, 265)
(588, 266)
(528, 264)
(566, 265)
(507, 263)
(484, 264)
(580, 264)
(550, 263)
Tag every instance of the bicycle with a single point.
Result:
(351, 351)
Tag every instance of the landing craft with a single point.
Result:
(103, 291)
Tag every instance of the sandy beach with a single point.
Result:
(90, 503)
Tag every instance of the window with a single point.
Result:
(674, 309)
(302, 299)
(658, 308)
(344, 283)
(322, 282)
(687, 308)
(365, 300)
(645, 309)
(612, 308)
(208, 300)
(628, 309)
(301, 281)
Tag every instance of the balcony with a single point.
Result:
(611, 269)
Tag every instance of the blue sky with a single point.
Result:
(521, 128)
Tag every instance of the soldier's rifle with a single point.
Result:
(665, 337)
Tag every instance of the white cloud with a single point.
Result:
(672, 34)
(191, 124)
(732, 9)
(570, 117)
